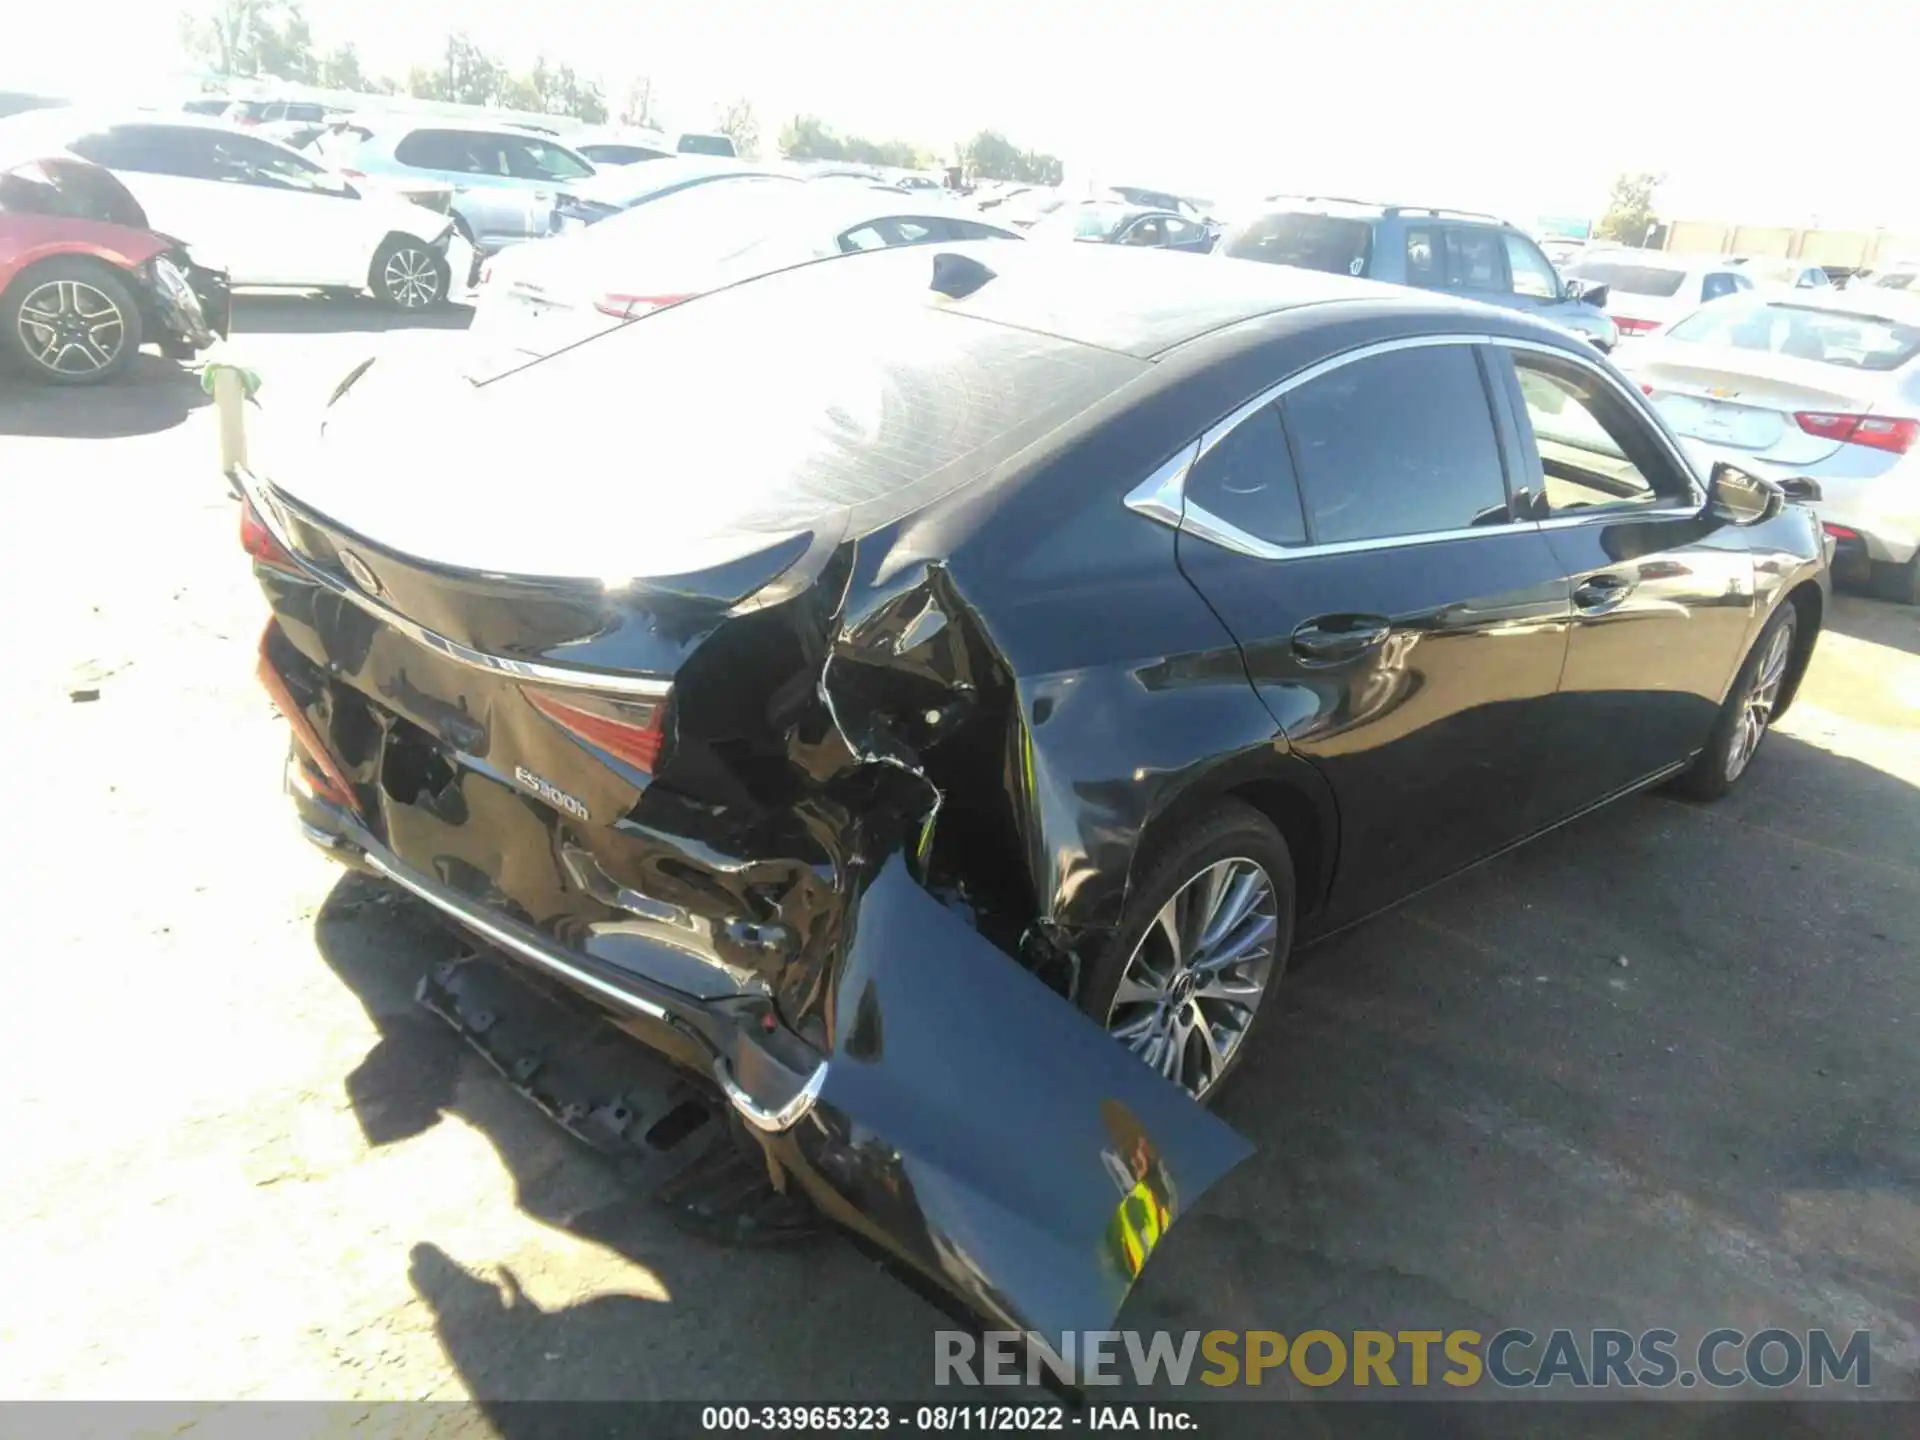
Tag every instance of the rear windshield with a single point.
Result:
(1332, 243)
(1631, 279)
(1802, 332)
(705, 145)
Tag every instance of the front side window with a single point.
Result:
(1149, 232)
(246, 161)
(1425, 267)
(536, 160)
(1532, 275)
(1247, 480)
(1400, 444)
(1595, 454)
(621, 154)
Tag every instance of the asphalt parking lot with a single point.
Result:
(1655, 1070)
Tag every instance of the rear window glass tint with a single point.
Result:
(1397, 444)
(1329, 243)
(1803, 332)
(1632, 279)
(705, 145)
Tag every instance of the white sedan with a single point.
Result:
(266, 214)
(536, 299)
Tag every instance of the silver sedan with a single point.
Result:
(1821, 384)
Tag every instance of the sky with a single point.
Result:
(1527, 109)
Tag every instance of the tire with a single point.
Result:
(1736, 739)
(1207, 860)
(408, 274)
(1898, 583)
(92, 329)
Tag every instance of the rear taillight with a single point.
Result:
(630, 730)
(1645, 389)
(632, 307)
(261, 543)
(322, 773)
(1876, 432)
(1634, 327)
(354, 174)
(1840, 532)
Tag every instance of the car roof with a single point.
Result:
(1374, 210)
(386, 123)
(1137, 302)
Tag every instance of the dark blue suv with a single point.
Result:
(1462, 252)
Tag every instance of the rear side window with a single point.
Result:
(1331, 243)
(1475, 260)
(1397, 444)
(463, 151)
(152, 149)
(1247, 480)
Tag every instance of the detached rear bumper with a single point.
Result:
(967, 1121)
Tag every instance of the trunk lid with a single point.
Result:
(1746, 401)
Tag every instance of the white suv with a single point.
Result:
(266, 214)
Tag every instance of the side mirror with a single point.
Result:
(1742, 499)
(1593, 292)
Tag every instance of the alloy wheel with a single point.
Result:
(1763, 695)
(1192, 986)
(71, 328)
(411, 278)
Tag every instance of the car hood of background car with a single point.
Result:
(692, 436)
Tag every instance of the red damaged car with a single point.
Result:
(84, 282)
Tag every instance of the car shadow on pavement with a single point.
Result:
(314, 314)
(153, 395)
(1647, 1071)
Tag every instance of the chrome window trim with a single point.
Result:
(1162, 495)
(254, 492)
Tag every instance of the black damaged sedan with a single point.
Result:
(927, 695)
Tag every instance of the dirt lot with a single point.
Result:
(1656, 1070)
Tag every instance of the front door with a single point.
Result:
(1662, 591)
(1404, 624)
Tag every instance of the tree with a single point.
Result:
(1630, 215)
(636, 106)
(738, 122)
(252, 37)
(991, 156)
(339, 69)
(808, 137)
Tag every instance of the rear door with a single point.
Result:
(1402, 622)
(1662, 591)
(494, 205)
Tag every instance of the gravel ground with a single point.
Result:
(1657, 1069)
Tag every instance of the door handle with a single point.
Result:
(1328, 639)
(1600, 592)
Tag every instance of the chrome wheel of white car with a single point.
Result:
(409, 275)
